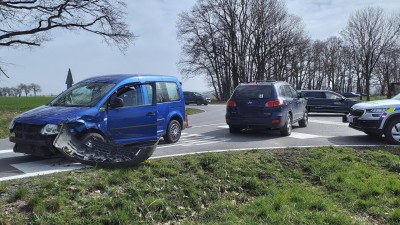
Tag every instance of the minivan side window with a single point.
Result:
(132, 96)
(167, 92)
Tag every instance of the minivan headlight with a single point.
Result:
(377, 110)
(50, 129)
(11, 126)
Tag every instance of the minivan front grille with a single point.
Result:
(27, 131)
(356, 112)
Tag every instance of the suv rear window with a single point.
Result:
(253, 92)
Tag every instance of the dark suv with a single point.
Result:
(265, 105)
(195, 98)
(327, 101)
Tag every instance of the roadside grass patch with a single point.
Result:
(191, 111)
(12, 106)
(325, 185)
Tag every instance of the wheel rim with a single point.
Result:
(289, 124)
(174, 131)
(306, 118)
(395, 132)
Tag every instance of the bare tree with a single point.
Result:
(233, 41)
(29, 23)
(369, 33)
(21, 87)
(35, 88)
(387, 70)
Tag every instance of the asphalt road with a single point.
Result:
(208, 132)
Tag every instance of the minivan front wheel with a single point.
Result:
(286, 130)
(88, 139)
(173, 132)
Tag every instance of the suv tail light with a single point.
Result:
(231, 103)
(274, 103)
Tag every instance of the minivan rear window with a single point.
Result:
(253, 92)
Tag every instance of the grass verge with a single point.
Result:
(12, 106)
(325, 185)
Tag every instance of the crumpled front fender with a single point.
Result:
(101, 152)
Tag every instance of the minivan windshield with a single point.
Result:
(82, 94)
(253, 92)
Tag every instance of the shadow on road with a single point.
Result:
(248, 135)
(358, 140)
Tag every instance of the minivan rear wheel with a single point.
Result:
(173, 132)
(286, 130)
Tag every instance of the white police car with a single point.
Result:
(377, 118)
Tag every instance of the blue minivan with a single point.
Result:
(101, 116)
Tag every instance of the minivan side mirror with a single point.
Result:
(116, 103)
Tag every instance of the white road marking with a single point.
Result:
(312, 121)
(6, 151)
(43, 167)
(194, 139)
(328, 122)
(208, 125)
(305, 136)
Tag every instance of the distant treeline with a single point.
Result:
(21, 88)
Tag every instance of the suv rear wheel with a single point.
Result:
(173, 132)
(392, 131)
(304, 122)
(286, 130)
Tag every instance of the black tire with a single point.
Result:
(304, 122)
(173, 133)
(88, 137)
(198, 102)
(233, 129)
(392, 131)
(286, 130)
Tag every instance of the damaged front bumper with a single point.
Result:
(101, 152)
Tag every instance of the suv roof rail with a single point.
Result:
(265, 81)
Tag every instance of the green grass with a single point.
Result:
(12, 106)
(22, 103)
(327, 185)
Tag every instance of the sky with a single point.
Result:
(156, 49)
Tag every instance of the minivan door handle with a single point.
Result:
(150, 114)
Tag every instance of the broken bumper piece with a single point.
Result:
(102, 153)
